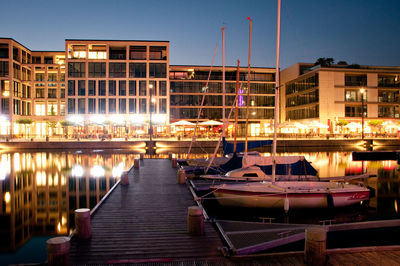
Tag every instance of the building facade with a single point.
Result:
(331, 95)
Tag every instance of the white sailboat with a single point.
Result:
(281, 194)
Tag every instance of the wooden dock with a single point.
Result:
(146, 223)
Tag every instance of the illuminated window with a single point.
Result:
(40, 108)
(52, 108)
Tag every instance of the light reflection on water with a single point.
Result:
(39, 191)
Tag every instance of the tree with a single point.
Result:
(324, 62)
(25, 122)
(342, 63)
(342, 123)
(377, 124)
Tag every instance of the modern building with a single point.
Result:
(342, 95)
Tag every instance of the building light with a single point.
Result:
(137, 119)
(159, 119)
(117, 119)
(76, 119)
(97, 119)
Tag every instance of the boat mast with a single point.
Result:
(276, 109)
(236, 105)
(248, 88)
(223, 82)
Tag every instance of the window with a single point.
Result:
(102, 88)
(52, 77)
(137, 70)
(122, 106)
(92, 88)
(71, 106)
(112, 88)
(36, 59)
(97, 51)
(388, 81)
(52, 93)
(62, 93)
(137, 53)
(15, 54)
(5, 88)
(112, 106)
(388, 111)
(52, 108)
(142, 106)
(81, 88)
(40, 108)
(388, 96)
(62, 108)
(117, 70)
(163, 88)
(132, 106)
(5, 106)
(163, 106)
(355, 80)
(3, 50)
(16, 107)
(355, 111)
(39, 76)
(122, 88)
(158, 53)
(102, 106)
(4, 69)
(142, 88)
(157, 70)
(91, 106)
(81, 106)
(48, 60)
(132, 87)
(39, 92)
(152, 88)
(71, 87)
(97, 70)
(117, 53)
(76, 70)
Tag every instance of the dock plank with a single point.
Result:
(146, 220)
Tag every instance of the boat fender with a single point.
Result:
(329, 199)
(372, 192)
(286, 205)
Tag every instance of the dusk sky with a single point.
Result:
(365, 32)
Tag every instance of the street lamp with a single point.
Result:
(362, 90)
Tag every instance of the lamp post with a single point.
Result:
(151, 111)
(362, 90)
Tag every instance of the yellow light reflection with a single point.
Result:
(7, 197)
(77, 171)
(396, 207)
(97, 171)
(118, 170)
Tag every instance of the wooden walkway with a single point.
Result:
(146, 221)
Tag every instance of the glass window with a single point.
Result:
(51, 92)
(40, 108)
(52, 76)
(62, 108)
(4, 69)
(152, 88)
(71, 87)
(102, 88)
(118, 53)
(137, 53)
(122, 106)
(158, 53)
(163, 106)
(48, 60)
(81, 106)
(5, 105)
(117, 70)
(39, 92)
(112, 106)
(52, 108)
(97, 70)
(157, 70)
(102, 106)
(142, 88)
(112, 87)
(355, 80)
(132, 88)
(163, 88)
(81, 88)
(92, 88)
(91, 106)
(76, 70)
(3, 50)
(71, 106)
(137, 70)
(132, 106)
(122, 88)
(142, 106)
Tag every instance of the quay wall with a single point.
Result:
(282, 145)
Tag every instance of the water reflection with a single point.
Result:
(39, 191)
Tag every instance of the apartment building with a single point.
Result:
(341, 92)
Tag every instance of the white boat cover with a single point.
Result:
(261, 160)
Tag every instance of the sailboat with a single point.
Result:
(281, 194)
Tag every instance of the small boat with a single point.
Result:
(287, 195)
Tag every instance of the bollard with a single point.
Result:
(58, 251)
(174, 163)
(141, 156)
(181, 177)
(170, 155)
(315, 246)
(195, 221)
(136, 163)
(82, 223)
(125, 178)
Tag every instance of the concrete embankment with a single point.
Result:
(295, 145)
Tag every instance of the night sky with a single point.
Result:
(365, 32)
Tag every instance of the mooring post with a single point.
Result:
(136, 163)
(141, 156)
(174, 163)
(82, 224)
(169, 155)
(58, 251)
(195, 221)
(181, 177)
(315, 246)
(125, 178)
